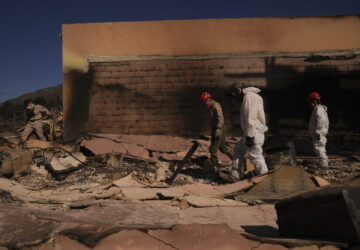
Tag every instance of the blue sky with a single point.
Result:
(31, 47)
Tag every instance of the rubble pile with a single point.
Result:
(341, 167)
(152, 189)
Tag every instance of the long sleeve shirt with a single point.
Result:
(217, 118)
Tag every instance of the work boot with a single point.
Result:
(228, 177)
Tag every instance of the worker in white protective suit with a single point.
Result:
(318, 128)
(253, 126)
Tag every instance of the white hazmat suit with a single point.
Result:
(318, 129)
(253, 124)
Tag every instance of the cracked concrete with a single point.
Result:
(103, 216)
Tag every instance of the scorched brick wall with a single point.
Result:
(162, 96)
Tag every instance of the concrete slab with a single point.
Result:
(199, 201)
(105, 194)
(19, 228)
(63, 242)
(104, 146)
(5, 183)
(128, 181)
(134, 193)
(131, 240)
(283, 182)
(203, 237)
(204, 190)
(162, 143)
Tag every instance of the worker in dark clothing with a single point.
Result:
(218, 129)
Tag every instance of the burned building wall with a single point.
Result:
(162, 96)
(146, 77)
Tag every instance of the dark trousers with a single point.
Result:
(218, 143)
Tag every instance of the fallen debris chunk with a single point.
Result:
(162, 171)
(180, 191)
(197, 236)
(331, 212)
(73, 160)
(184, 204)
(59, 166)
(162, 143)
(14, 161)
(353, 180)
(115, 160)
(200, 201)
(128, 181)
(104, 146)
(40, 170)
(107, 193)
(6, 197)
(139, 193)
(169, 157)
(320, 181)
(280, 184)
(295, 243)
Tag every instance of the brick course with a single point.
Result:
(162, 96)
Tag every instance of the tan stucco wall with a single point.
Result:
(189, 37)
(201, 37)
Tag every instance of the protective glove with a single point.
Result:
(249, 141)
(317, 136)
(217, 133)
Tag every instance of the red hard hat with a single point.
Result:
(314, 96)
(205, 96)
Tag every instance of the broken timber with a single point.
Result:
(182, 163)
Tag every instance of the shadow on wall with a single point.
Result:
(134, 103)
(118, 102)
(163, 96)
(196, 79)
(287, 106)
(287, 88)
(78, 87)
